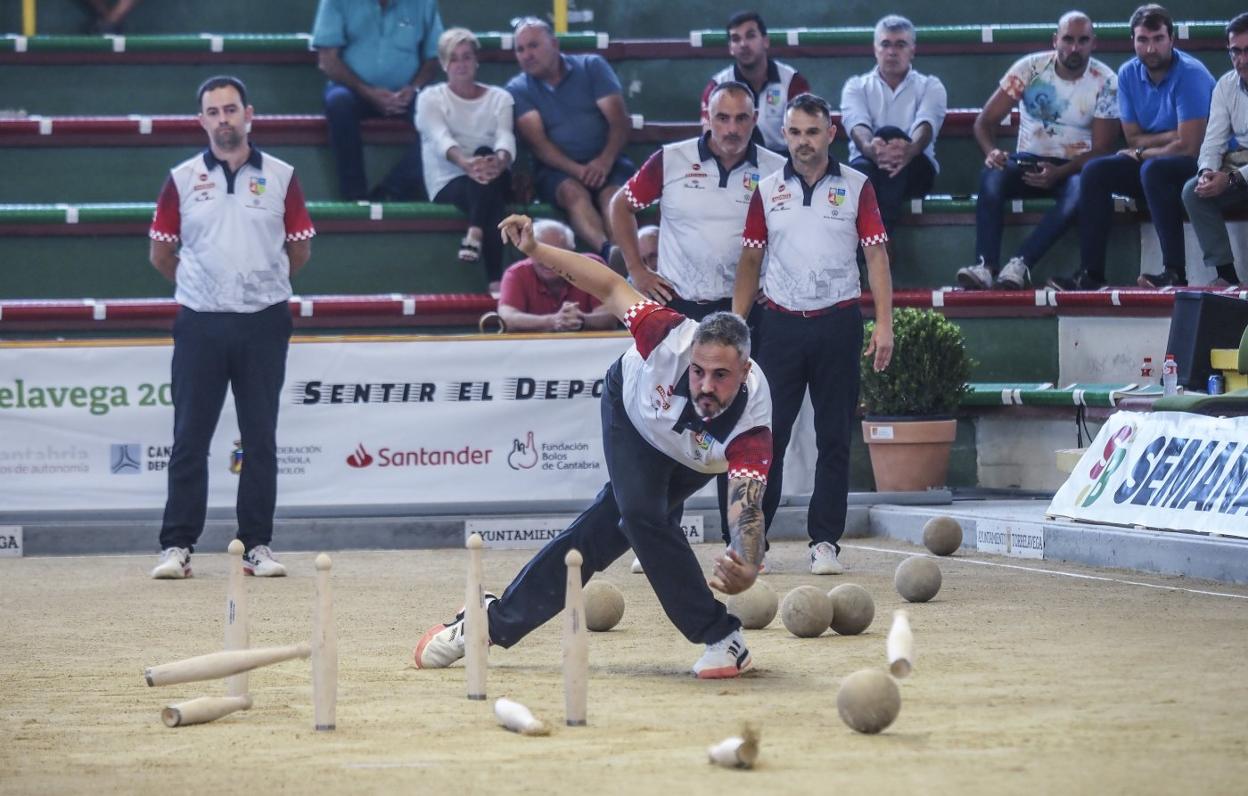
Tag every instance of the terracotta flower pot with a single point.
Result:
(909, 455)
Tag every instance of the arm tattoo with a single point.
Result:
(745, 517)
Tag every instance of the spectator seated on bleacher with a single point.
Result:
(570, 112)
(1163, 101)
(773, 83)
(534, 298)
(892, 115)
(109, 17)
(377, 56)
(469, 146)
(1223, 161)
(1068, 114)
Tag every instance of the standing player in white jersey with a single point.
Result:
(684, 403)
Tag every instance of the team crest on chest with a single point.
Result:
(836, 196)
(773, 95)
(256, 185)
(750, 180)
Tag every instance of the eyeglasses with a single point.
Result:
(1236, 52)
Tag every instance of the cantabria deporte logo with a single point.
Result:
(1112, 456)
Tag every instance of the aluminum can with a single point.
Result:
(1217, 385)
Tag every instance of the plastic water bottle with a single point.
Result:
(1146, 370)
(1170, 376)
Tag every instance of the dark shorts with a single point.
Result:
(547, 180)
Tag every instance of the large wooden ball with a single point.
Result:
(917, 579)
(755, 607)
(604, 605)
(868, 701)
(852, 609)
(806, 611)
(942, 535)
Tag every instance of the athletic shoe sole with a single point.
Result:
(727, 672)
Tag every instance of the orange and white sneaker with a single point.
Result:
(443, 644)
(726, 658)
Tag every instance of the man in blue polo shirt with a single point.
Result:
(377, 55)
(570, 112)
(1163, 101)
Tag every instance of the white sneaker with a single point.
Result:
(823, 560)
(975, 277)
(443, 644)
(636, 567)
(259, 561)
(175, 564)
(1015, 275)
(725, 658)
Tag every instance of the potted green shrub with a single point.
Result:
(910, 425)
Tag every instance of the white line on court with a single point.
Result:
(1077, 575)
(416, 764)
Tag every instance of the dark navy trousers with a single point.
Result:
(212, 351)
(1158, 181)
(820, 353)
(640, 507)
(344, 110)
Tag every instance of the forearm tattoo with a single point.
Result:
(745, 518)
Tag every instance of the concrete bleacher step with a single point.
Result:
(44, 247)
(127, 154)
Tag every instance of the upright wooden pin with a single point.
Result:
(900, 646)
(476, 629)
(324, 650)
(237, 636)
(575, 645)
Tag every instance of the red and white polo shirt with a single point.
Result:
(656, 398)
(703, 207)
(233, 228)
(812, 235)
(783, 84)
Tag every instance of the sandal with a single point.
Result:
(469, 250)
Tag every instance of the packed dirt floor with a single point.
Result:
(1025, 682)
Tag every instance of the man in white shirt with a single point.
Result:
(809, 220)
(893, 114)
(1223, 160)
(683, 403)
(1068, 114)
(773, 82)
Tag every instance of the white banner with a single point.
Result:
(1169, 470)
(394, 421)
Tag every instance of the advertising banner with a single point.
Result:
(1168, 470)
(382, 421)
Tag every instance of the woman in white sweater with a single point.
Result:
(468, 146)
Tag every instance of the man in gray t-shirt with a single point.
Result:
(570, 112)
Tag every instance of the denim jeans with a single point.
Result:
(344, 110)
(1159, 182)
(996, 187)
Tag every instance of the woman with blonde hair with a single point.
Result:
(468, 147)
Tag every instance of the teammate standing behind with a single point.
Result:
(773, 83)
(703, 186)
(685, 402)
(811, 217)
(230, 230)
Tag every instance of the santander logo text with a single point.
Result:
(420, 457)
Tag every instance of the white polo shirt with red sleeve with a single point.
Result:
(233, 228)
(703, 207)
(812, 235)
(783, 84)
(657, 401)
